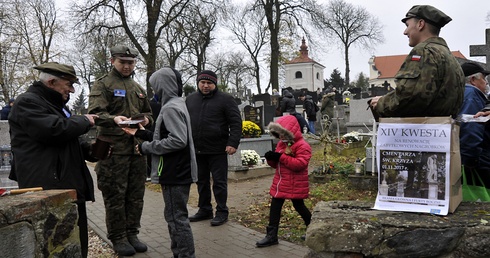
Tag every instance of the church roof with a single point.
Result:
(303, 55)
(388, 66)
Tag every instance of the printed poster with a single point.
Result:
(413, 167)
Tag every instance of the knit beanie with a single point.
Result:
(207, 75)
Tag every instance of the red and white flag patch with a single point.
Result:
(416, 58)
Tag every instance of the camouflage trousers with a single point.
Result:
(121, 179)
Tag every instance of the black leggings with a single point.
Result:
(276, 207)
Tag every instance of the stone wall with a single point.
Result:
(39, 224)
(353, 229)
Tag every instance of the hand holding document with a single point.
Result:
(466, 118)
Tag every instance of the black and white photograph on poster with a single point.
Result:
(413, 167)
(413, 174)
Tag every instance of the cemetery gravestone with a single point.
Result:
(265, 98)
(482, 50)
(254, 114)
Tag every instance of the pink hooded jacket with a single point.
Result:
(291, 177)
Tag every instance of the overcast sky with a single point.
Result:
(467, 28)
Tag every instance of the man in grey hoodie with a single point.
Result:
(173, 159)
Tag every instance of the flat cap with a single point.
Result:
(66, 72)
(470, 68)
(124, 53)
(429, 14)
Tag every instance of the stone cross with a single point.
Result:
(482, 50)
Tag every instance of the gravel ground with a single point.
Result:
(98, 247)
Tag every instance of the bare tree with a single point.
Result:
(35, 22)
(249, 28)
(279, 14)
(153, 16)
(350, 25)
(27, 32)
(234, 70)
(205, 20)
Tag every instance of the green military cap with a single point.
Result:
(429, 14)
(124, 53)
(66, 72)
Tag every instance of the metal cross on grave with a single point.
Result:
(482, 50)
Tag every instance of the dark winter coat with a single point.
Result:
(291, 177)
(474, 137)
(310, 108)
(288, 104)
(216, 121)
(45, 143)
(5, 112)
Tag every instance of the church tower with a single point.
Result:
(303, 72)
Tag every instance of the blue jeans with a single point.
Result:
(312, 126)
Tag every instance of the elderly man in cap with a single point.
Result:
(474, 137)
(430, 82)
(45, 140)
(116, 98)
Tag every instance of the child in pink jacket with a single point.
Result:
(290, 159)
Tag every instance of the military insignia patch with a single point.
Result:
(416, 58)
(119, 93)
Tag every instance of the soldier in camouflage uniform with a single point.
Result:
(430, 82)
(116, 97)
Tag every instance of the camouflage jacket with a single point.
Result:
(113, 95)
(430, 82)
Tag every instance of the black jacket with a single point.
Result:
(45, 144)
(310, 108)
(216, 121)
(288, 104)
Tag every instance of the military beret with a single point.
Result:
(124, 53)
(429, 14)
(66, 72)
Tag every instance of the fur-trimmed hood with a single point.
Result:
(287, 126)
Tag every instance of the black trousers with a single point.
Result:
(217, 166)
(83, 227)
(276, 207)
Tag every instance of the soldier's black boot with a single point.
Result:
(122, 247)
(139, 246)
(270, 238)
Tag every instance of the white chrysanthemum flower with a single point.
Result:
(249, 157)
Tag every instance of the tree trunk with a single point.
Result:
(347, 67)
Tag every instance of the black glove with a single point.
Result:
(272, 156)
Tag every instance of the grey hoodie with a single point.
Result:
(174, 119)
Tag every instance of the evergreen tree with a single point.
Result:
(80, 102)
(188, 89)
(362, 82)
(335, 81)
